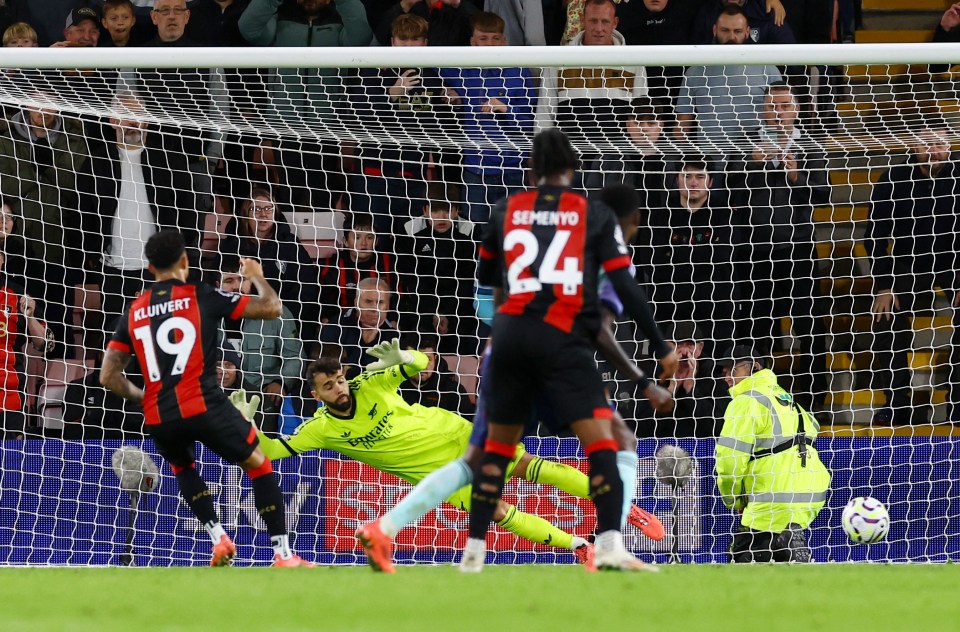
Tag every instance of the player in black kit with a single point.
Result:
(550, 245)
(172, 330)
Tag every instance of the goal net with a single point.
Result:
(796, 201)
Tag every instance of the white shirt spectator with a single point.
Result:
(134, 223)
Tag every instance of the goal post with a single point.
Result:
(306, 159)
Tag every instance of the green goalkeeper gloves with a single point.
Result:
(388, 354)
(247, 408)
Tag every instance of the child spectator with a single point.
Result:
(358, 259)
(449, 20)
(119, 20)
(20, 35)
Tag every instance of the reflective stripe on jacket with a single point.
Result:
(758, 459)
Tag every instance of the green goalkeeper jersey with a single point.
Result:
(385, 432)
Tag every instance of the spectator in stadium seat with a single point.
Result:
(498, 106)
(90, 411)
(436, 385)
(686, 253)
(19, 327)
(723, 101)
(260, 231)
(170, 17)
(19, 35)
(641, 162)
(657, 23)
(306, 94)
(120, 22)
(697, 393)
(41, 153)
(270, 351)
(912, 240)
(523, 19)
(400, 101)
(358, 259)
(437, 266)
(449, 20)
(82, 29)
(766, 25)
(582, 101)
(363, 326)
(217, 22)
(782, 178)
(132, 189)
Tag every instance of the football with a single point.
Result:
(865, 520)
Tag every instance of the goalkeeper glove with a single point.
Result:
(247, 408)
(388, 354)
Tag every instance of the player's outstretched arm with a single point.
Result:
(306, 439)
(112, 377)
(267, 305)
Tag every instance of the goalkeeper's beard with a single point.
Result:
(343, 404)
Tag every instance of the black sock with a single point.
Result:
(487, 490)
(606, 490)
(197, 495)
(269, 501)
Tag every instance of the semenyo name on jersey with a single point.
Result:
(546, 218)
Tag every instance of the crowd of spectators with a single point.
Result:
(725, 158)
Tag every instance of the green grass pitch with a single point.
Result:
(508, 598)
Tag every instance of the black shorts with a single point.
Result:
(531, 359)
(222, 429)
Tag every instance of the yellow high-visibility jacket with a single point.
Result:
(758, 457)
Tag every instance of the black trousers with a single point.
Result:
(762, 546)
(785, 282)
(894, 339)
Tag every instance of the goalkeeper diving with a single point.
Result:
(367, 420)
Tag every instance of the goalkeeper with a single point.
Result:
(366, 419)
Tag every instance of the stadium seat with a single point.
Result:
(317, 231)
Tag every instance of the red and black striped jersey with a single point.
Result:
(12, 353)
(172, 330)
(547, 246)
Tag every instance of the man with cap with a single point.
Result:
(82, 29)
(766, 463)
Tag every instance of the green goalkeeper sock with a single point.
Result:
(535, 529)
(569, 479)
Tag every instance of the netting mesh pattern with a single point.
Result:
(808, 212)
